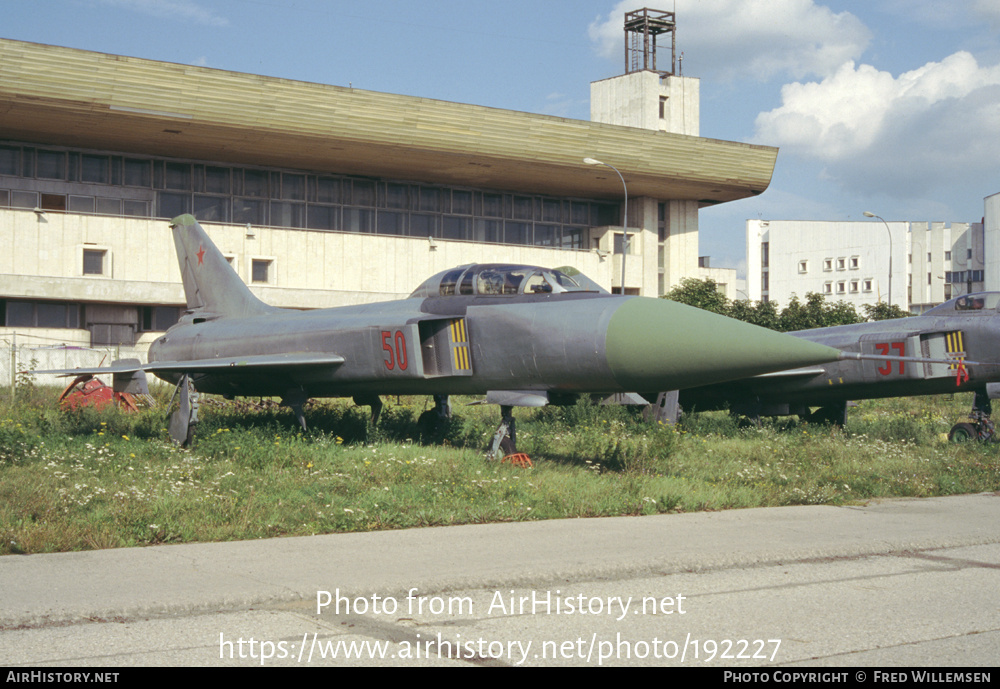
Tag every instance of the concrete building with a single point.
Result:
(850, 261)
(324, 195)
(991, 242)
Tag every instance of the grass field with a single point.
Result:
(87, 480)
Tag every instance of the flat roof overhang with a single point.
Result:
(68, 97)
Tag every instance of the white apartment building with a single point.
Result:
(914, 265)
(991, 232)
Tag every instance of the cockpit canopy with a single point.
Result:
(502, 279)
(981, 302)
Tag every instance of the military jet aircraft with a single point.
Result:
(520, 335)
(952, 334)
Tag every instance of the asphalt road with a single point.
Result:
(895, 583)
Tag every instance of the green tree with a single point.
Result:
(883, 311)
(703, 294)
(816, 313)
(763, 313)
(842, 313)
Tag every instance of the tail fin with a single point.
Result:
(211, 286)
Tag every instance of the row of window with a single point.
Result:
(311, 216)
(73, 203)
(844, 263)
(16, 313)
(95, 262)
(947, 256)
(963, 276)
(296, 199)
(375, 221)
(851, 287)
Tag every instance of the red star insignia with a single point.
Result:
(201, 255)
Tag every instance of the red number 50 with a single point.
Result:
(396, 350)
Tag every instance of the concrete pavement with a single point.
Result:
(901, 582)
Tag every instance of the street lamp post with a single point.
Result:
(872, 215)
(592, 161)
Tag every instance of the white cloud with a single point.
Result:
(180, 10)
(893, 134)
(756, 39)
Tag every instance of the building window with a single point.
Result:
(928, 278)
(30, 314)
(93, 261)
(803, 266)
(854, 286)
(81, 204)
(868, 285)
(261, 270)
(159, 317)
(137, 173)
(23, 199)
(929, 257)
(619, 241)
(828, 288)
(663, 107)
(765, 254)
(947, 255)
(827, 264)
(10, 160)
(95, 169)
(854, 262)
(51, 165)
(841, 263)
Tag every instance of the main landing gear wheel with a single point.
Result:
(979, 427)
(433, 423)
(963, 433)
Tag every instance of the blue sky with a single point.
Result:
(891, 106)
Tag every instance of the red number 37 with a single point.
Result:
(883, 349)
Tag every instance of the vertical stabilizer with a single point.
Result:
(211, 286)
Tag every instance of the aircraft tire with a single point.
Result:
(963, 433)
(432, 427)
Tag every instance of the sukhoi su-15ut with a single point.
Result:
(520, 335)
(943, 339)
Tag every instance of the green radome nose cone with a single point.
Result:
(655, 344)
